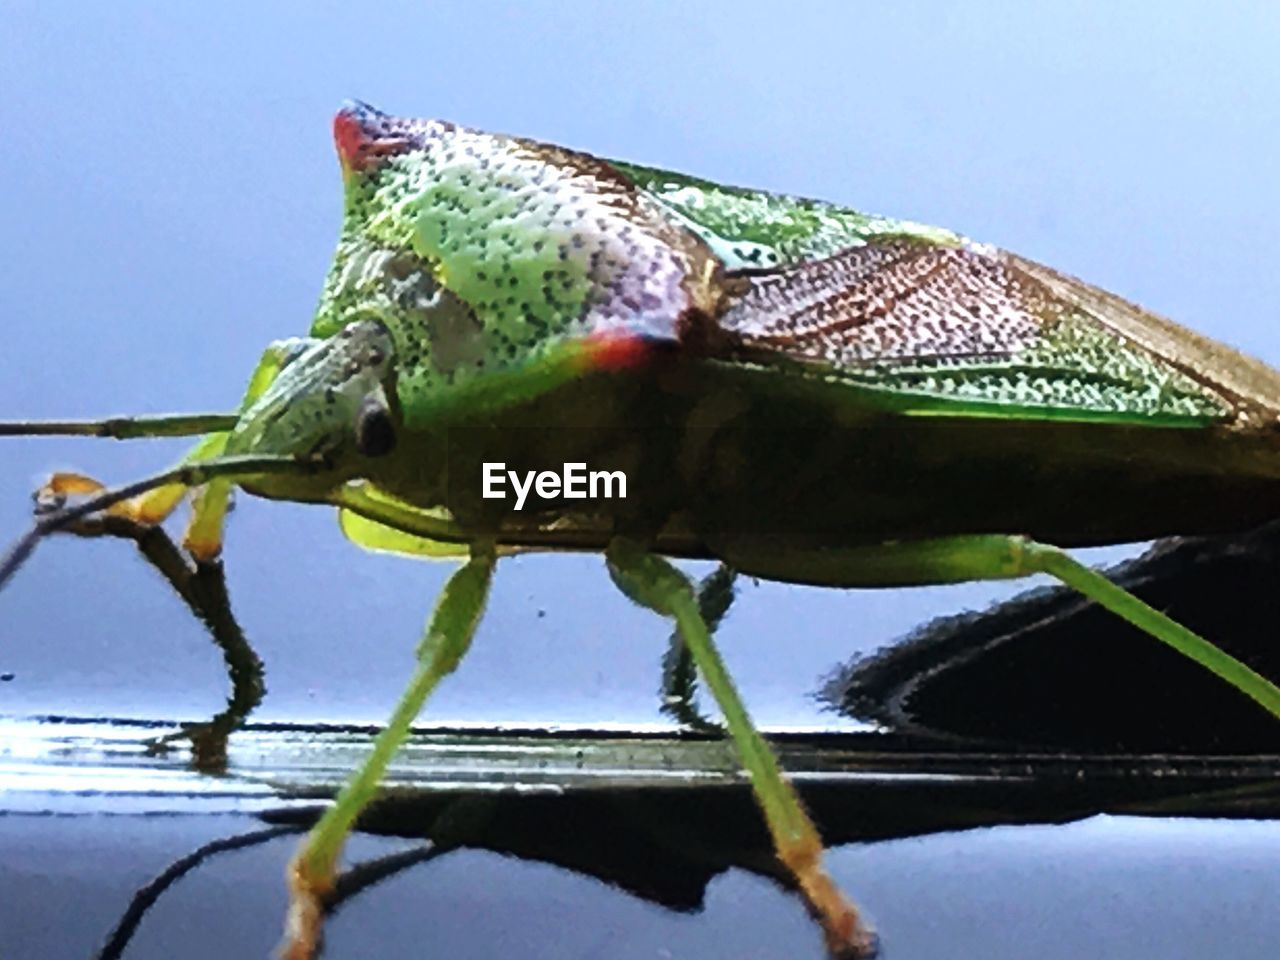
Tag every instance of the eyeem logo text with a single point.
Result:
(573, 482)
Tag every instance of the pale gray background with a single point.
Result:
(171, 198)
(168, 202)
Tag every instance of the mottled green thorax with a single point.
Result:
(482, 253)
(750, 229)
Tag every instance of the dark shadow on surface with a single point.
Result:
(665, 844)
(1051, 670)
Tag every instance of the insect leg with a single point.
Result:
(679, 673)
(992, 557)
(448, 635)
(652, 582)
(203, 537)
(146, 509)
(188, 475)
(1039, 557)
(203, 587)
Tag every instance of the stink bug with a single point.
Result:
(798, 390)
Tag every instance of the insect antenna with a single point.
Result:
(123, 428)
(186, 475)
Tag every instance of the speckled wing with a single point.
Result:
(925, 321)
(970, 327)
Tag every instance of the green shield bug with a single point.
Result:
(798, 390)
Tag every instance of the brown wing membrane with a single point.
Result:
(893, 301)
(971, 326)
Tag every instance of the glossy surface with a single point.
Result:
(635, 844)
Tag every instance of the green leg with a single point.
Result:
(312, 872)
(203, 536)
(958, 559)
(679, 673)
(654, 583)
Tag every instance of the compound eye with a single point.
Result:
(375, 433)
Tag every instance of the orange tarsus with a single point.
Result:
(847, 935)
(148, 509)
(306, 911)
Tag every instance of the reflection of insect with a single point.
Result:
(801, 391)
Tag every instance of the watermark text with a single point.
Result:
(573, 482)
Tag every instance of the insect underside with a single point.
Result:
(797, 390)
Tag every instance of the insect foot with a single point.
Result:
(304, 921)
(847, 934)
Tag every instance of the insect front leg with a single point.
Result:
(148, 509)
(652, 582)
(991, 557)
(312, 873)
(203, 536)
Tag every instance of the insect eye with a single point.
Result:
(375, 433)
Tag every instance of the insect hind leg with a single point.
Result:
(990, 557)
(652, 582)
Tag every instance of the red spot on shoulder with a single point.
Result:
(365, 136)
(618, 351)
(349, 136)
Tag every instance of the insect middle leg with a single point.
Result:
(652, 582)
(312, 872)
